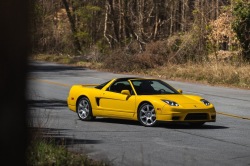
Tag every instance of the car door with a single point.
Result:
(117, 104)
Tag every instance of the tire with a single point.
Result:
(84, 109)
(147, 115)
(196, 123)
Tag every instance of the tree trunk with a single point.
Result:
(72, 24)
(217, 9)
(183, 21)
(114, 21)
(120, 22)
(105, 26)
(171, 20)
(156, 19)
(129, 27)
(125, 27)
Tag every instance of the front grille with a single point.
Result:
(175, 118)
(196, 116)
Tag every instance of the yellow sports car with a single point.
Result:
(149, 101)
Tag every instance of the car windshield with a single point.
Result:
(102, 85)
(152, 87)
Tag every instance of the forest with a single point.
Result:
(127, 35)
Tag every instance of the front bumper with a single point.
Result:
(187, 115)
(181, 118)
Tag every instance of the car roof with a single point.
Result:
(134, 78)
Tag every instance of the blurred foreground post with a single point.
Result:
(14, 49)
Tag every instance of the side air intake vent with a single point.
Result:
(98, 101)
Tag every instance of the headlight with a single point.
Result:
(205, 102)
(171, 103)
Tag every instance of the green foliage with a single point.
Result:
(208, 27)
(44, 152)
(68, 61)
(86, 16)
(37, 12)
(195, 11)
(235, 58)
(175, 47)
(212, 47)
(102, 47)
(83, 36)
(126, 40)
(86, 12)
(233, 48)
(224, 9)
(241, 26)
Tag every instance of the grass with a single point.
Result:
(43, 152)
(225, 73)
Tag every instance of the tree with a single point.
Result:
(241, 26)
(73, 26)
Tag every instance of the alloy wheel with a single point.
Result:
(83, 109)
(147, 115)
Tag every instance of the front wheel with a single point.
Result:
(147, 115)
(196, 123)
(84, 109)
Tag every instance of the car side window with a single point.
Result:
(119, 86)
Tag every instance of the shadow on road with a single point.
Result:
(117, 121)
(59, 137)
(161, 125)
(41, 67)
(47, 104)
(187, 126)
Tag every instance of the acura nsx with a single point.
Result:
(146, 100)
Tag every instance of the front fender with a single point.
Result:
(158, 105)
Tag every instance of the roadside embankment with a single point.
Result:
(229, 74)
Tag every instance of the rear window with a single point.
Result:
(102, 85)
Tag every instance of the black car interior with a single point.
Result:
(119, 87)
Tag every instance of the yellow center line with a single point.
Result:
(235, 116)
(49, 82)
(55, 83)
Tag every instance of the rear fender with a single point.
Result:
(79, 91)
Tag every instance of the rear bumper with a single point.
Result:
(71, 107)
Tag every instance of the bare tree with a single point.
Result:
(72, 23)
(119, 22)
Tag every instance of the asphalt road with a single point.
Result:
(123, 142)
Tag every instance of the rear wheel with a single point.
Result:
(84, 109)
(147, 115)
(196, 123)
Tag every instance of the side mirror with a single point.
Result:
(180, 91)
(126, 92)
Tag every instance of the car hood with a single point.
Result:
(180, 99)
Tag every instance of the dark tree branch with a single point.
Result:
(72, 24)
